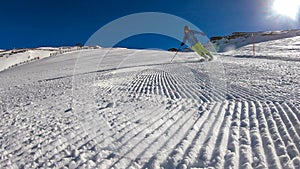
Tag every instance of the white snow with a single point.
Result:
(16, 57)
(283, 49)
(10, 60)
(239, 39)
(122, 108)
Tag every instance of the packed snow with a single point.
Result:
(284, 49)
(239, 39)
(16, 57)
(122, 108)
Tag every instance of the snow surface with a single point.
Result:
(121, 108)
(7, 61)
(284, 49)
(16, 57)
(239, 39)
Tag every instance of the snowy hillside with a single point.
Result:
(16, 57)
(283, 49)
(121, 108)
(239, 39)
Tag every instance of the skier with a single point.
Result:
(189, 35)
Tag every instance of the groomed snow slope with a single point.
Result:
(17, 57)
(283, 49)
(123, 108)
(239, 39)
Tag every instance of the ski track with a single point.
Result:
(164, 116)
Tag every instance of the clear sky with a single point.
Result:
(59, 22)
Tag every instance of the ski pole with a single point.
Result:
(176, 53)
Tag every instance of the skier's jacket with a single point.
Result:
(189, 35)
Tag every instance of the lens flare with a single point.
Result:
(289, 8)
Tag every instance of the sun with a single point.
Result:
(287, 8)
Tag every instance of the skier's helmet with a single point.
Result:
(186, 29)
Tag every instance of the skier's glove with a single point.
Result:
(181, 44)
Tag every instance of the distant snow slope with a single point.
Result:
(239, 39)
(12, 58)
(7, 61)
(121, 108)
(282, 49)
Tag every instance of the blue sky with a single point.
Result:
(58, 22)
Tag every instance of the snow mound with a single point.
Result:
(283, 49)
(16, 57)
(239, 39)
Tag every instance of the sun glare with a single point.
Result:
(288, 8)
